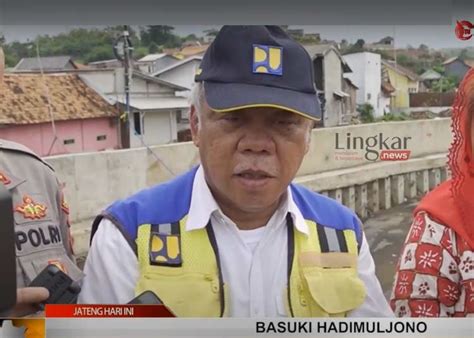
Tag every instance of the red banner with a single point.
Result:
(106, 311)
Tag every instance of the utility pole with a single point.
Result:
(127, 53)
(123, 51)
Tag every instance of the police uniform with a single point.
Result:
(42, 232)
(309, 260)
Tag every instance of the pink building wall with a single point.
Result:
(39, 137)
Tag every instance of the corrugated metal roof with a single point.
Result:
(430, 74)
(178, 64)
(450, 60)
(323, 49)
(402, 70)
(48, 63)
(23, 99)
(157, 103)
(152, 57)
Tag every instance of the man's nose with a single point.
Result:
(256, 139)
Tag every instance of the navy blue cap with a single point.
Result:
(258, 66)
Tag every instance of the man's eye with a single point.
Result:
(231, 118)
(285, 122)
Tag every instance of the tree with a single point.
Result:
(211, 32)
(153, 48)
(360, 43)
(191, 37)
(366, 111)
(161, 35)
(423, 47)
(445, 84)
(357, 47)
(464, 53)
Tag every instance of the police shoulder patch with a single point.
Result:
(165, 245)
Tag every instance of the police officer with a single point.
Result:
(42, 232)
(234, 236)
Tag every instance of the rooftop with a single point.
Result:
(24, 99)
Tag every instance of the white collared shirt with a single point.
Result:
(253, 262)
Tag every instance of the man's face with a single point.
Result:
(250, 156)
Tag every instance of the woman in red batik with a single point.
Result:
(435, 273)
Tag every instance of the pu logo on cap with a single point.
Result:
(267, 60)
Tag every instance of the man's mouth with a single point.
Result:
(254, 174)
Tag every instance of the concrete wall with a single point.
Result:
(182, 75)
(332, 82)
(366, 72)
(40, 137)
(159, 127)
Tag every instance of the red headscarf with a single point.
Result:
(452, 203)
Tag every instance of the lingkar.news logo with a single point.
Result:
(463, 30)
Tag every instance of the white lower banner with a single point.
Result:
(234, 327)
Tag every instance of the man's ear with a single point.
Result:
(194, 124)
(310, 134)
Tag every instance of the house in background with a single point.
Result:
(456, 67)
(56, 114)
(403, 80)
(157, 107)
(329, 67)
(181, 73)
(153, 63)
(430, 77)
(112, 63)
(386, 43)
(46, 63)
(351, 103)
(387, 96)
(367, 76)
(187, 51)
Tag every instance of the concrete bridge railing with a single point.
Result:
(342, 162)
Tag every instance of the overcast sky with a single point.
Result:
(433, 36)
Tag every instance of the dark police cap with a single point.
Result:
(258, 66)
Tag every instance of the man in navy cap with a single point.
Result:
(233, 236)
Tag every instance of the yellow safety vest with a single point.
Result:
(321, 283)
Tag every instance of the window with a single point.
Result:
(69, 141)
(101, 137)
(182, 116)
(137, 123)
(369, 96)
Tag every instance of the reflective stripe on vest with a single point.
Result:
(183, 269)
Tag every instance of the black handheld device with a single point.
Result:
(147, 297)
(7, 251)
(62, 289)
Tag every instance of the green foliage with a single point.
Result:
(140, 52)
(356, 48)
(211, 32)
(161, 35)
(445, 84)
(366, 111)
(438, 68)
(88, 45)
(394, 117)
(191, 37)
(153, 48)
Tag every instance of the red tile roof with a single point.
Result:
(23, 99)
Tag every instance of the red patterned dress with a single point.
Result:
(435, 273)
